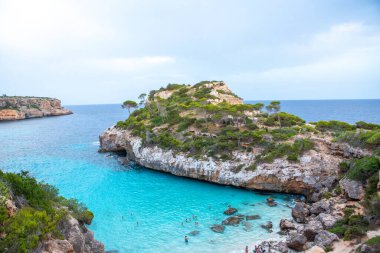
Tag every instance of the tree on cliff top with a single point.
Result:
(128, 104)
(142, 98)
(274, 107)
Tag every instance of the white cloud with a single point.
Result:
(347, 53)
(130, 64)
(38, 25)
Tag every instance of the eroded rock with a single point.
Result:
(300, 212)
(297, 242)
(286, 224)
(325, 239)
(230, 211)
(353, 189)
(311, 229)
(232, 221)
(218, 228)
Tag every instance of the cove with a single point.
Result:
(136, 209)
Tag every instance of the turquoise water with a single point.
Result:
(63, 151)
(138, 210)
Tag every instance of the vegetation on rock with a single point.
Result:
(39, 212)
(207, 119)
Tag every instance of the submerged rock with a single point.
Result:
(218, 228)
(271, 202)
(230, 211)
(252, 217)
(232, 221)
(247, 226)
(194, 233)
(268, 226)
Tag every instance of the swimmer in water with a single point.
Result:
(186, 239)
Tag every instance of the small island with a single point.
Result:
(18, 108)
(206, 132)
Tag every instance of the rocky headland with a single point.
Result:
(33, 218)
(17, 108)
(206, 132)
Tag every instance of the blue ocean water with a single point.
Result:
(349, 111)
(139, 210)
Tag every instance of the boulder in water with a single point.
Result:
(230, 211)
(252, 217)
(217, 228)
(194, 233)
(232, 221)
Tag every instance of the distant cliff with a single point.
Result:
(16, 108)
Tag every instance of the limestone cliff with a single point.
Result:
(314, 173)
(207, 133)
(16, 108)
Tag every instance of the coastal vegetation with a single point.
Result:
(260, 147)
(207, 119)
(366, 171)
(32, 211)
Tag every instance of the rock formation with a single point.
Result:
(16, 108)
(253, 159)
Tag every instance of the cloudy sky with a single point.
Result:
(106, 51)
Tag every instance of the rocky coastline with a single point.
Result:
(313, 177)
(275, 152)
(18, 108)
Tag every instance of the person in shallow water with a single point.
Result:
(186, 239)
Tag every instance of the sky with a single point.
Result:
(107, 51)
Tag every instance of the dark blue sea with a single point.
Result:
(139, 210)
(350, 111)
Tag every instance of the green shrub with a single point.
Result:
(38, 195)
(282, 134)
(78, 210)
(333, 126)
(185, 123)
(251, 167)
(351, 226)
(286, 119)
(327, 195)
(26, 228)
(344, 166)
(364, 168)
(363, 138)
(39, 218)
(373, 241)
(292, 151)
(368, 126)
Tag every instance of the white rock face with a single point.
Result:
(316, 169)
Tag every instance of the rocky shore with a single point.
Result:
(313, 175)
(17, 108)
(230, 143)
